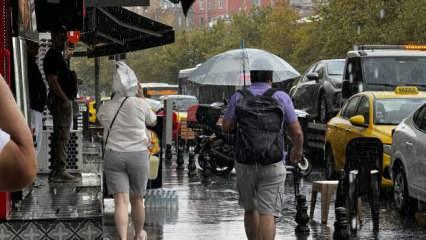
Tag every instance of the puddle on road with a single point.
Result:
(210, 210)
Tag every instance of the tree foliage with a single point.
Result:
(337, 25)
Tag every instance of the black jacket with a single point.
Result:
(37, 87)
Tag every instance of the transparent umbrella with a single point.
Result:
(232, 68)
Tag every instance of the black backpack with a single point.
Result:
(260, 126)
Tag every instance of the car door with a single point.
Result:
(303, 91)
(419, 149)
(342, 130)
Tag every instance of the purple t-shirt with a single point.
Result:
(259, 89)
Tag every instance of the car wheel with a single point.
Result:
(322, 109)
(329, 170)
(403, 202)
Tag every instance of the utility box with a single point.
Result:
(74, 162)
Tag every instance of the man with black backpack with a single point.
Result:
(258, 116)
(63, 90)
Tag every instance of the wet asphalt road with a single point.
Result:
(208, 209)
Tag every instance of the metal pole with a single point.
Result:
(97, 90)
(374, 198)
(353, 201)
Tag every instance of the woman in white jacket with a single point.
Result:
(126, 159)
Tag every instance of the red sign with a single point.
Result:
(73, 36)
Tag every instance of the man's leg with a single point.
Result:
(62, 123)
(246, 184)
(269, 196)
(251, 224)
(61, 147)
(266, 227)
(121, 216)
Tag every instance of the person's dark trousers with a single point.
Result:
(62, 116)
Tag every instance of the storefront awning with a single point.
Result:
(115, 30)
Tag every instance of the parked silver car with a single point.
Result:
(409, 161)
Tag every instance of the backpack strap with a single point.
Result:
(112, 123)
(245, 92)
(270, 92)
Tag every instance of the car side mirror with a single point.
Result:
(358, 120)
(313, 76)
(346, 89)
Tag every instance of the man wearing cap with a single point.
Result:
(60, 105)
(260, 181)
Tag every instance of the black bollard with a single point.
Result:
(169, 154)
(191, 164)
(179, 158)
(301, 217)
(341, 224)
(340, 193)
(341, 227)
(353, 201)
(374, 198)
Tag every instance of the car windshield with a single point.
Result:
(395, 71)
(183, 104)
(335, 67)
(393, 111)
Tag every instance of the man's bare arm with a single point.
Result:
(296, 135)
(56, 88)
(228, 126)
(18, 164)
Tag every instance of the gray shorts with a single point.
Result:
(126, 172)
(261, 188)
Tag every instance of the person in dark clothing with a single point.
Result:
(38, 92)
(60, 105)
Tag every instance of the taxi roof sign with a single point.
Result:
(390, 47)
(406, 90)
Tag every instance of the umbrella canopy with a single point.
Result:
(232, 68)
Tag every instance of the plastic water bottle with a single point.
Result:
(174, 199)
(157, 199)
(148, 200)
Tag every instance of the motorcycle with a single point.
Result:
(215, 149)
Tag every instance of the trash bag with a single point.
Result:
(124, 80)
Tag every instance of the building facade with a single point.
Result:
(208, 12)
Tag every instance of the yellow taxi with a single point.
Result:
(92, 111)
(91, 105)
(369, 114)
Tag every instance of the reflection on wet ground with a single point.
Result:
(57, 211)
(209, 210)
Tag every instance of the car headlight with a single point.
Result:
(387, 149)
